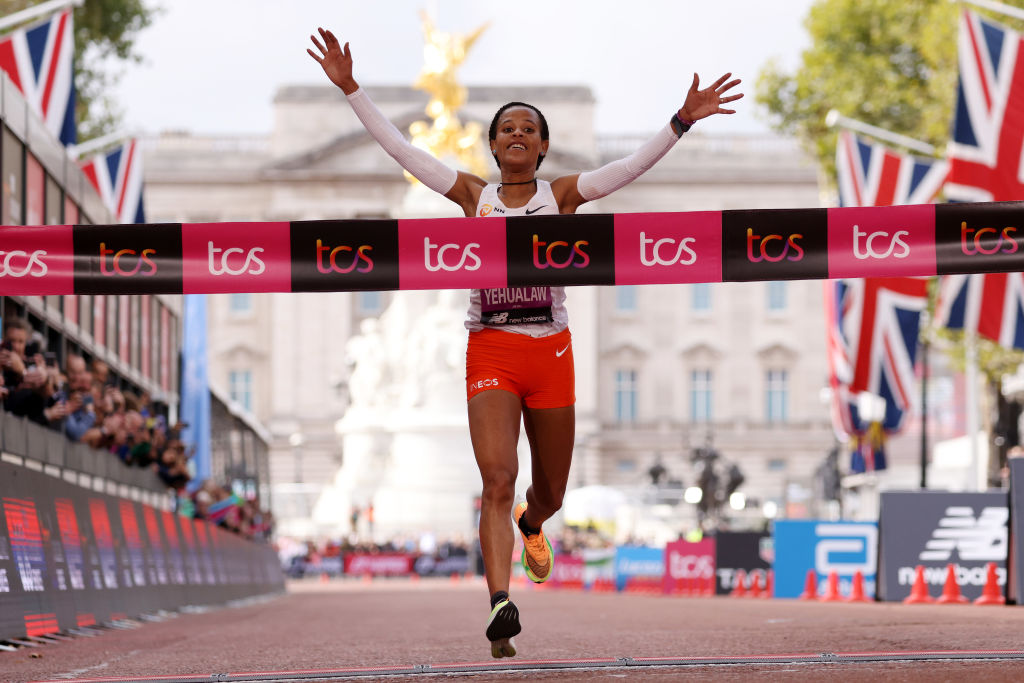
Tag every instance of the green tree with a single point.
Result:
(105, 33)
(890, 64)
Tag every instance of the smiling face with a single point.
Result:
(518, 138)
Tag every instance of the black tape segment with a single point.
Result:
(347, 255)
(128, 259)
(560, 250)
(777, 244)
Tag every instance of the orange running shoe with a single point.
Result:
(538, 559)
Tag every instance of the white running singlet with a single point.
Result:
(533, 311)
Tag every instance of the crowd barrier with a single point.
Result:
(513, 252)
(72, 556)
(49, 448)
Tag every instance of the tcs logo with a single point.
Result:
(137, 260)
(657, 259)
(253, 264)
(868, 250)
(361, 261)
(1005, 242)
(691, 566)
(545, 256)
(438, 262)
(19, 263)
(773, 253)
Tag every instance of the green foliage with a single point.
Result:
(889, 64)
(105, 33)
(892, 65)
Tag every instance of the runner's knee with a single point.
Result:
(499, 486)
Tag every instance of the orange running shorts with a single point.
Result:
(539, 370)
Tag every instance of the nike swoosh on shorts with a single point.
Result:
(558, 354)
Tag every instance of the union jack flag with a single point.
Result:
(117, 177)
(38, 60)
(990, 305)
(873, 327)
(871, 174)
(988, 128)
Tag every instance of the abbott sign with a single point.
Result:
(825, 547)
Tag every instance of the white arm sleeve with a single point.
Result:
(424, 167)
(610, 177)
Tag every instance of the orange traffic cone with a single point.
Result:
(740, 590)
(810, 586)
(710, 587)
(755, 586)
(769, 584)
(857, 589)
(832, 589)
(951, 590)
(991, 594)
(919, 591)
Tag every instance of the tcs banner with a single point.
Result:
(495, 252)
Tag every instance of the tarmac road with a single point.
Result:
(343, 624)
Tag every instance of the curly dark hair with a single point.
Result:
(492, 132)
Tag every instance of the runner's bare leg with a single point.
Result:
(494, 418)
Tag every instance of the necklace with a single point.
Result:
(524, 182)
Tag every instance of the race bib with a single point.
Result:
(515, 306)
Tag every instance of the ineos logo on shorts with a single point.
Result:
(1005, 242)
(253, 264)
(656, 259)
(17, 263)
(868, 250)
(439, 263)
(361, 261)
(766, 251)
(484, 383)
(554, 249)
(138, 259)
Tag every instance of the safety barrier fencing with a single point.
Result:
(75, 552)
(499, 252)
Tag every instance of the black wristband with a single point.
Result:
(678, 125)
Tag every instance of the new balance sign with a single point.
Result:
(934, 529)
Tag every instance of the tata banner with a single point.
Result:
(518, 253)
(637, 561)
(749, 551)
(935, 529)
(842, 547)
(72, 557)
(688, 565)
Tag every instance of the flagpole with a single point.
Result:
(834, 118)
(1015, 12)
(40, 10)
(971, 398)
(96, 144)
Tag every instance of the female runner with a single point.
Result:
(519, 364)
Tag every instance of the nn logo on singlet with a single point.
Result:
(560, 250)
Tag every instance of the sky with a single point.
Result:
(213, 66)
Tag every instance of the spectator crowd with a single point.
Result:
(83, 401)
